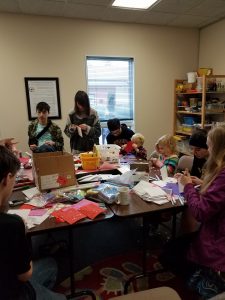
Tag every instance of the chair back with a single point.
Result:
(185, 162)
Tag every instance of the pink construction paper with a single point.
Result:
(37, 212)
(82, 203)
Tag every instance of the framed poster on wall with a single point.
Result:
(43, 89)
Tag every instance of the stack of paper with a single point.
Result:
(95, 177)
(150, 192)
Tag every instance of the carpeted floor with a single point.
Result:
(106, 278)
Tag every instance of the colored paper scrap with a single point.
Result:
(129, 147)
(37, 212)
(91, 210)
(72, 215)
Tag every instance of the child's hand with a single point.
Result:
(135, 146)
(156, 162)
(196, 180)
(177, 175)
(123, 146)
(185, 179)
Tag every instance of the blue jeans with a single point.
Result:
(43, 279)
(45, 148)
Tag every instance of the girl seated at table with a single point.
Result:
(199, 257)
(166, 150)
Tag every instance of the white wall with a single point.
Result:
(212, 47)
(34, 46)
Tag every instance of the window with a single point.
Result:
(110, 87)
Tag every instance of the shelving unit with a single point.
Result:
(198, 105)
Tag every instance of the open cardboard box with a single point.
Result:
(53, 170)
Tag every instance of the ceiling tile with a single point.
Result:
(184, 13)
(91, 2)
(175, 6)
(188, 21)
(157, 18)
(209, 8)
(9, 6)
(84, 11)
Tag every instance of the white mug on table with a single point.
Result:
(123, 195)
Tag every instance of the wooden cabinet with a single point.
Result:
(201, 104)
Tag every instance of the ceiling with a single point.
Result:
(180, 13)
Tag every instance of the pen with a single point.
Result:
(197, 186)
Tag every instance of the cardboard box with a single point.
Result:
(53, 170)
(140, 166)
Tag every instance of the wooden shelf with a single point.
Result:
(215, 92)
(213, 112)
(190, 93)
(184, 112)
(182, 132)
(182, 100)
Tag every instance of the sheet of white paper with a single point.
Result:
(160, 183)
(37, 220)
(30, 221)
(124, 169)
(88, 178)
(107, 176)
(160, 202)
(37, 202)
(79, 130)
(180, 187)
(125, 178)
(23, 213)
(163, 172)
(30, 193)
(163, 183)
(153, 191)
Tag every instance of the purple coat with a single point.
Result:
(208, 248)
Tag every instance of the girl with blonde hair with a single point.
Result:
(166, 148)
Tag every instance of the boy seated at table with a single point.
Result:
(20, 279)
(119, 134)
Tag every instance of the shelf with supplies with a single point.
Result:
(198, 105)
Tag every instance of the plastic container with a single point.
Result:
(89, 161)
(189, 120)
(187, 128)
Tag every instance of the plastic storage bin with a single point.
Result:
(89, 161)
(187, 128)
(189, 120)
